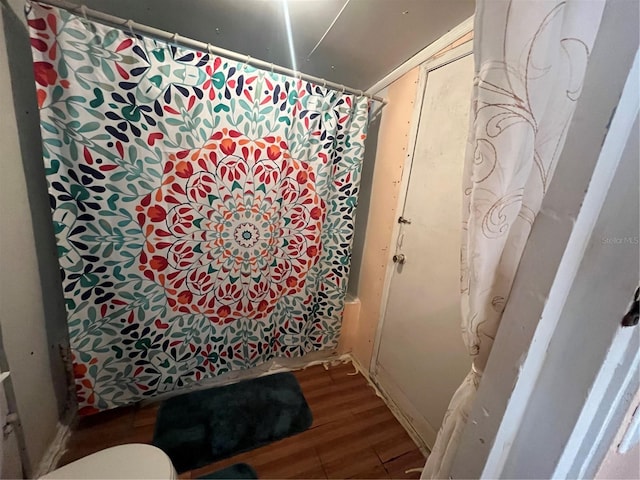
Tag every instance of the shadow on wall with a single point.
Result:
(364, 200)
(27, 119)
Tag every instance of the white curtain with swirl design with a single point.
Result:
(530, 58)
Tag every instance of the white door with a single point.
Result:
(421, 357)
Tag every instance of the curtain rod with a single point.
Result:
(177, 39)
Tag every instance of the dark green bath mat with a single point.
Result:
(202, 427)
(236, 471)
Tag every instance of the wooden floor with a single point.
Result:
(354, 435)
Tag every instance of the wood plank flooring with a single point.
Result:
(353, 435)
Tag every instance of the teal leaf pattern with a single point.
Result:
(203, 209)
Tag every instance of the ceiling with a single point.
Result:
(368, 39)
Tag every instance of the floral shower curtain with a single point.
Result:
(531, 57)
(203, 209)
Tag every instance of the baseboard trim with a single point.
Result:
(386, 383)
(395, 409)
(58, 445)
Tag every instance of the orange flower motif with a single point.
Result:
(184, 169)
(185, 297)
(79, 370)
(302, 177)
(228, 146)
(42, 96)
(273, 152)
(315, 213)
(230, 232)
(158, 263)
(84, 385)
(156, 213)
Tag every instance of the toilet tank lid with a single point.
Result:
(132, 460)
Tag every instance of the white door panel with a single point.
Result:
(421, 347)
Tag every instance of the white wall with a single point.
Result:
(390, 152)
(32, 324)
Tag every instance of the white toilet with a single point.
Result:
(132, 460)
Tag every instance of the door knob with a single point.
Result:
(399, 258)
(633, 315)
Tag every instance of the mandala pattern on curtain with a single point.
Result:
(203, 209)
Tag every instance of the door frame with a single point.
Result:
(448, 57)
(423, 433)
